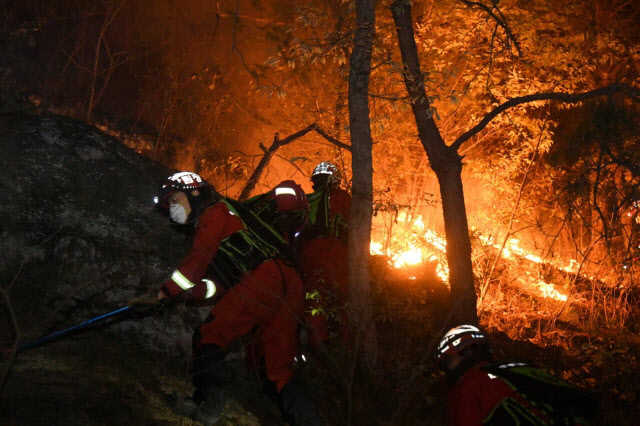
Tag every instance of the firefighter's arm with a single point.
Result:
(185, 281)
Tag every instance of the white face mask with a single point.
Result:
(178, 214)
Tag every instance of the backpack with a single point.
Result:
(284, 208)
(555, 400)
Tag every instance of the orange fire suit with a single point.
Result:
(322, 261)
(270, 297)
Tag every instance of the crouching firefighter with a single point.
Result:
(240, 259)
(322, 257)
(486, 392)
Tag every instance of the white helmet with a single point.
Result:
(329, 170)
(181, 181)
(457, 339)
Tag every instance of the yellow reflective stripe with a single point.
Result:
(211, 288)
(285, 191)
(181, 280)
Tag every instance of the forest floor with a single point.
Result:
(96, 378)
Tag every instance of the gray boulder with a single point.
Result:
(79, 232)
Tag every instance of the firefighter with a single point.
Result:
(485, 392)
(238, 259)
(322, 257)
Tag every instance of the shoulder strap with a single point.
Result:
(319, 208)
(257, 227)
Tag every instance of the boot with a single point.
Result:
(209, 396)
(298, 407)
(183, 405)
(211, 399)
(206, 415)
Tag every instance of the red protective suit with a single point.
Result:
(474, 396)
(323, 264)
(269, 298)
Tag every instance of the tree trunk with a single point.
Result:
(362, 166)
(447, 165)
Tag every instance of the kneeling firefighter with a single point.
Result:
(237, 254)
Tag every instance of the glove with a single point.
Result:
(144, 304)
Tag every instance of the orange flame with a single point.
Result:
(549, 291)
(435, 251)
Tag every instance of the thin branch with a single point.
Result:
(490, 63)
(108, 20)
(389, 98)
(253, 114)
(500, 20)
(631, 166)
(291, 162)
(10, 353)
(275, 145)
(332, 139)
(235, 46)
(72, 60)
(244, 154)
(555, 96)
(251, 18)
(596, 184)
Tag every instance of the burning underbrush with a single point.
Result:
(513, 278)
(580, 321)
(524, 323)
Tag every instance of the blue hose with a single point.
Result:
(83, 325)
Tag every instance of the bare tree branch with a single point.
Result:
(236, 19)
(268, 153)
(331, 139)
(631, 91)
(277, 143)
(108, 20)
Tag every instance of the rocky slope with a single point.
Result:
(79, 238)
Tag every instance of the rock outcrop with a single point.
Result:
(80, 236)
(79, 232)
